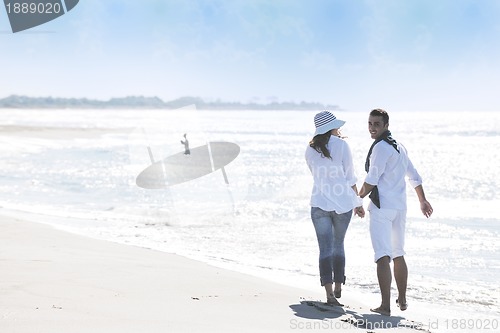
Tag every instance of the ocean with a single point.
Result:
(76, 170)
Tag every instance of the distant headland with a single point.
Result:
(141, 102)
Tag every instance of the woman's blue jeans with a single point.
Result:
(330, 230)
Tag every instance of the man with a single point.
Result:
(387, 164)
(186, 145)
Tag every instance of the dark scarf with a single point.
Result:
(386, 136)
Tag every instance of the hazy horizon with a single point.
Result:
(411, 55)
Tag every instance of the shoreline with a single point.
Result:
(54, 280)
(428, 307)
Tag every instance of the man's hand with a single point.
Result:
(426, 208)
(365, 189)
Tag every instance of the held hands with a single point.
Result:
(426, 208)
(360, 211)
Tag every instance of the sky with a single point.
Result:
(408, 55)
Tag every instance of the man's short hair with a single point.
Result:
(380, 113)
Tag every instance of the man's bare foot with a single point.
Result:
(380, 310)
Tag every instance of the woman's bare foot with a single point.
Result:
(330, 299)
(402, 305)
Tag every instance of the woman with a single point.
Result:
(333, 198)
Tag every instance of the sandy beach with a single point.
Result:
(53, 281)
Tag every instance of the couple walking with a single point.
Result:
(335, 198)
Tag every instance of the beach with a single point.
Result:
(53, 281)
(84, 249)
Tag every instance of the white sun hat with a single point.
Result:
(325, 121)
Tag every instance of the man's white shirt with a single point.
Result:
(388, 169)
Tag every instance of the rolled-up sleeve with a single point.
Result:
(413, 175)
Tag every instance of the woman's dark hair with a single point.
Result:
(319, 143)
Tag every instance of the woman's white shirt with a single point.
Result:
(333, 178)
